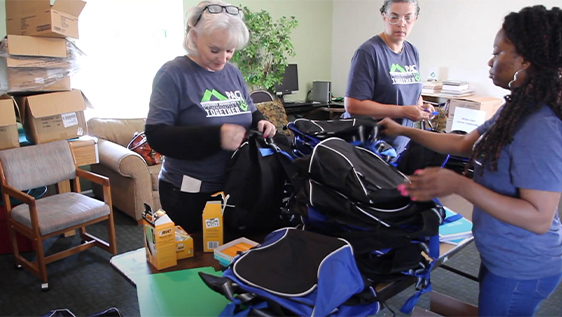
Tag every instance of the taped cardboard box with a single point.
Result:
(479, 109)
(53, 116)
(40, 18)
(9, 137)
(159, 239)
(39, 52)
(18, 80)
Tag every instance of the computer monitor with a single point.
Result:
(290, 83)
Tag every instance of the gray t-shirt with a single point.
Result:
(185, 94)
(533, 160)
(379, 74)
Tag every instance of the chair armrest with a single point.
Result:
(121, 160)
(18, 194)
(93, 177)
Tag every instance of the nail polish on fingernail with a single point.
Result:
(401, 187)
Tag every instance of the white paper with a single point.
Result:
(69, 119)
(190, 184)
(466, 119)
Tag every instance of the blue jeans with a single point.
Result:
(500, 296)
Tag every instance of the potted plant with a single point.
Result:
(263, 60)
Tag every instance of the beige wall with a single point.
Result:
(312, 38)
(455, 36)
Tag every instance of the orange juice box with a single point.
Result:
(184, 244)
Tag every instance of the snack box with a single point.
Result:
(226, 252)
(184, 244)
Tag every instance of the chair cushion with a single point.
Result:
(274, 112)
(62, 211)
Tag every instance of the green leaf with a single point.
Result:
(263, 60)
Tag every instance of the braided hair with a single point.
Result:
(536, 34)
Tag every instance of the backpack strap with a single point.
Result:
(423, 284)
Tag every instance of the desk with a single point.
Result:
(311, 107)
(134, 263)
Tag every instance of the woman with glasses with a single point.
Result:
(199, 112)
(517, 158)
(384, 79)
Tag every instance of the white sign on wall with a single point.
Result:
(467, 120)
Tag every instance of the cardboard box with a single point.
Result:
(33, 79)
(184, 244)
(159, 239)
(85, 150)
(212, 226)
(476, 110)
(53, 116)
(39, 52)
(40, 18)
(9, 137)
(226, 252)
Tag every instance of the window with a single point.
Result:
(125, 43)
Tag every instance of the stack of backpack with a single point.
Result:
(359, 231)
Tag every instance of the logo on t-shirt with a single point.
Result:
(218, 105)
(404, 75)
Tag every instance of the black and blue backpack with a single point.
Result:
(360, 131)
(352, 215)
(296, 273)
(258, 184)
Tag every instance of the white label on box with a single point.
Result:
(467, 119)
(69, 119)
(212, 222)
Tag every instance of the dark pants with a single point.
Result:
(185, 209)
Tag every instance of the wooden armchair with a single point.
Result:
(38, 219)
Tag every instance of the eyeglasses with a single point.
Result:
(217, 9)
(395, 19)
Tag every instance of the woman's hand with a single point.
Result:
(232, 136)
(432, 182)
(267, 128)
(415, 113)
(427, 107)
(390, 127)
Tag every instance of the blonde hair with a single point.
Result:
(208, 23)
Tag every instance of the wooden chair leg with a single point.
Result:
(41, 265)
(14, 241)
(111, 235)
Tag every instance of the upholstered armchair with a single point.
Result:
(133, 182)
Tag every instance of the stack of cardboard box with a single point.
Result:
(36, 62)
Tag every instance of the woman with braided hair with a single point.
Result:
(517, 184)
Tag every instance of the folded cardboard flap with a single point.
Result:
(72, 7)
(7, 111)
